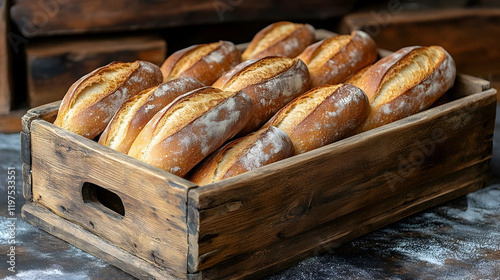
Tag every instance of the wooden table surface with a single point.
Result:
(456, 240)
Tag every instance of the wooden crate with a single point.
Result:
(54, 65)
(155, 225)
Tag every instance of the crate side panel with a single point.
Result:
(323, 238)
(90, 243)
(153, 224)
(290, 198)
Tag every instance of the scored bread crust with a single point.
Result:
(271, 82)
(406, 82)
(192, 126)
(244, 154)
(139, 109)
(282, 38)
(91, 102)
(322, 115)
(356, 77)
(204, 62)
(333, 65)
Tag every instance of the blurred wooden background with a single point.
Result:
(47, 45)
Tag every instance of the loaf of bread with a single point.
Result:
(191, 127)
(271, 82)
(321, 116)
(406, 82)
(244, 154)
(282, 38)
(91, 102)
(139, 109)
(205, 62)
(333, 60)
(356, 77)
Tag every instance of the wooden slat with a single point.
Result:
(47, 112)
(290, 198)
(153, 226)
(69, 17)
(54, 65)
(5, 71)
(325, 237)
(92, 244)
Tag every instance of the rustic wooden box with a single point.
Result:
(155, 225)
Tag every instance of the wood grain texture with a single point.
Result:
(5, 60)
(293, 197)
(90, 243)
(469, 35)
(288, 250)
(154, 222)
(54, 65)
(47, 112)
(65, 17)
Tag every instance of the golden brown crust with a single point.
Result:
(244, 154)
(139, 109)
(204, 62)
(333, 60)
(192, 126)
(356, 77)
(91, 102)
(271, 82)
(406, 82)
(282, 38)
(322, 115)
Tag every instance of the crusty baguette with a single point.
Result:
(244, 154)
(139, 109)
(333, 60)
(322, 115)
(205, 62)
(91, 102)
(406, 82)
(271, 82)
(282, 38)
(356, 77)
(192, 126)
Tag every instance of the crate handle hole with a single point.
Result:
(103, 199)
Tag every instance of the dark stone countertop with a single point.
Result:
(459, 239)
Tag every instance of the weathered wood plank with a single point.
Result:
(153, 222)
(92, 244)
(325, 237)
(293, 196)
(42, 18)
(5, 60)
(54, 65)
